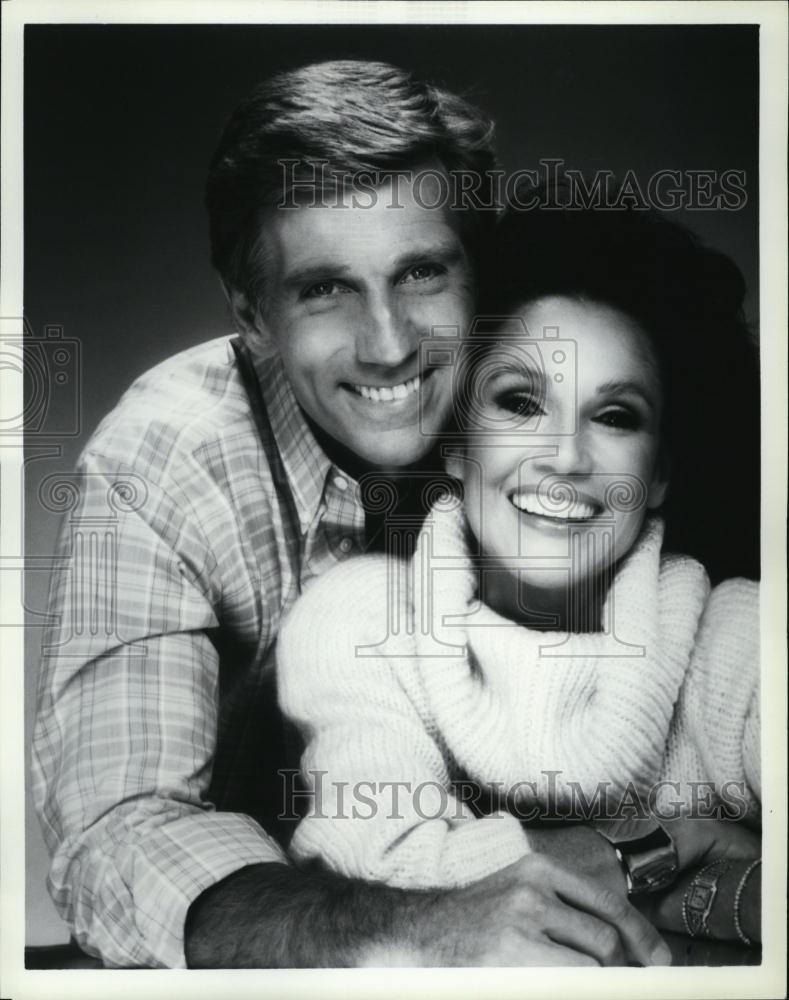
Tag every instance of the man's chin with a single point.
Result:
(394, 456)
(389, 451)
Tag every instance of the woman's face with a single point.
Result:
(562, 459)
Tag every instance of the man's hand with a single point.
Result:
(535, 912)
(539, 912)
(580, 848)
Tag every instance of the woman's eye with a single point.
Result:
(619, 419)
(520, 403)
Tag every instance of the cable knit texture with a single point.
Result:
(397, 674)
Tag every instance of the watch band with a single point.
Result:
(649, 861)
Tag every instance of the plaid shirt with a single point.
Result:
(200, 509)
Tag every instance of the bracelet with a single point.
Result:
(699, 897)
(737, 897)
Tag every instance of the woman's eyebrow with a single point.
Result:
(522, 368)
(628, 385)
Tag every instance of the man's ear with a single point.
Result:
(658, 488)
(246, 316)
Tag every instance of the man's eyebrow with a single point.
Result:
(444, 251)
(314, 271)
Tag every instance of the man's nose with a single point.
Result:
(386, 335)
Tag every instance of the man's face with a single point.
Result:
(350, 291)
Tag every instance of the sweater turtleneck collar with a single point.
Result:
(604, 700)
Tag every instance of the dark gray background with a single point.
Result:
(120, 122)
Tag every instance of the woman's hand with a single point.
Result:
(698, 842)
(737, 898)
(702, 840)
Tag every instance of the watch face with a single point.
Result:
(700, 896)
(646, 852)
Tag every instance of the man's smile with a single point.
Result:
(388, 393)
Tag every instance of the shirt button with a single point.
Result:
(346, 545)
(340, 483)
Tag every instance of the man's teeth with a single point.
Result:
(388, 393)
(580, 510)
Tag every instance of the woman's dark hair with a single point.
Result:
(689, 300)
(329, 119)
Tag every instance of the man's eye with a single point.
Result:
(422, 272)
(619, 419)
(522, 404)
(322, 290)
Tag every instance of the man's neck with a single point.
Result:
(408, 491)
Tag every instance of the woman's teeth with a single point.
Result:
(388, 393)
(580, 509)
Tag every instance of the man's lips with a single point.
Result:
(579, 509)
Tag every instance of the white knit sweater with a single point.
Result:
(395, 673)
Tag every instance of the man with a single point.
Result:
(232, 473)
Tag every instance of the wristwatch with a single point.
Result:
(701, 893)
(646, 853)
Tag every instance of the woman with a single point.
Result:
(546, 642)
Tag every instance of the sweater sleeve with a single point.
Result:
(716, 730)
(382, 804)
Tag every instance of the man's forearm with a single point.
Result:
(534, 912)
(281, 916)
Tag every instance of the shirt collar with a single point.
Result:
(306, 464)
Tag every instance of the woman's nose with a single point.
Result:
(386, 335)
(564, 454)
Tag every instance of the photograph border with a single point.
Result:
(766, 980)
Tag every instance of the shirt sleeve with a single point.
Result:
(127, 723)
(383, 807)
(715, 734)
